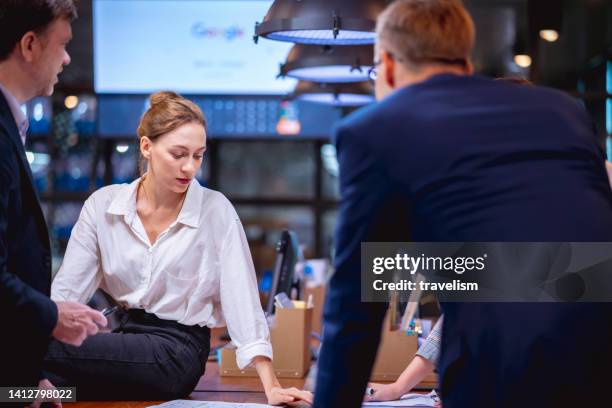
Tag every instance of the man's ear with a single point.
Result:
(28, 46)
(388, 63)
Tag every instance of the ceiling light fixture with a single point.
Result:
(522, 60)
(323, 22)
(335, 94)
(328, 64)
(549, 35)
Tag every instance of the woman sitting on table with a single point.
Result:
(174, 254)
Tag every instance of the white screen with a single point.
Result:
(196, 47)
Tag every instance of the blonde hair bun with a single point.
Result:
(162, 97)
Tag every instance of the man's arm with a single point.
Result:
(351, 328)
(33, 316)
(34, 313)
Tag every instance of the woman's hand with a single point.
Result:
(384, 392)
(280, 396)
(276, 394)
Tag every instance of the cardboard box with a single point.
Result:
(395, 352)
(318, 300)
(290, 338)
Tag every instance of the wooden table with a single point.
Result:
(211, 387)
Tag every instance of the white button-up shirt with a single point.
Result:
(198, 272)
(21, 120)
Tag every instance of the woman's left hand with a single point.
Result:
(280, 396)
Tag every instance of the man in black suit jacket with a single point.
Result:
(467, 159)
(33, 36)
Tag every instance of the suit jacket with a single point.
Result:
(27, 314)
(460, 159)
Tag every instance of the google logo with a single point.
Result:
(200, 30)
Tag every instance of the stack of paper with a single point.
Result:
(208, 404)
(408, 400)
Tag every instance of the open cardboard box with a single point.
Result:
(318, 299)
(290, 338)
(395, 351)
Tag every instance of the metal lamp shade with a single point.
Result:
(335, 94)
(323, 22)
(328, 64)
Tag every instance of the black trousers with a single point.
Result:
(145, 358)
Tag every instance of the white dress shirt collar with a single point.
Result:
(21, 120)
(124, 204)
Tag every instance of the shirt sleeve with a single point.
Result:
(79, 275)
(240, 302)
(430, 349)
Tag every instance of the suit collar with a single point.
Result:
(20, 118)
(8, 122)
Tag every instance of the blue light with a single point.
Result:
(609, 77)
(330, 159)
(609, 107)
(324, 37)
(337, 100)
(38, 112)
(609, 117)
(331, 73)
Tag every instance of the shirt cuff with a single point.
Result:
(246, 353)
(61, 294)
(430, 350)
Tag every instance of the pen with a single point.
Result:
(109, 310)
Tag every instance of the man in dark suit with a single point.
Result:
(466, 159)
(33, 36)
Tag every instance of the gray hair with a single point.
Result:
(420, 32)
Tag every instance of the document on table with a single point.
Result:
(407, 400)
(208, 404)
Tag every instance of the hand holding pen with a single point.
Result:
(75, 322)
(109, 310)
